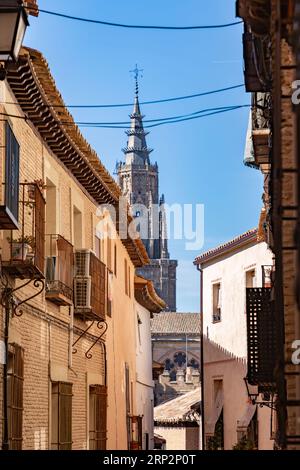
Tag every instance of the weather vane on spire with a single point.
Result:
(137, 72)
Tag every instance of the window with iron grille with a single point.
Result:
(15, 381)
(61, 416)
(97, 417)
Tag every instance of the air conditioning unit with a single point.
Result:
(83, 262)
(82, 293)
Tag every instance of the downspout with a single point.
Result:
(202, 359)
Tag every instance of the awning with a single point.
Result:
(215, 415)
(244, 422)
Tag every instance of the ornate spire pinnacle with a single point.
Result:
(137, 151)
(136, 73)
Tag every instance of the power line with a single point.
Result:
(130, 26)
(108, 126)
(80, 123)
(123, 105)
(159, 123)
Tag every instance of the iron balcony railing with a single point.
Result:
(23, 249)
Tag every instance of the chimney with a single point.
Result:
(195, 377)
(180, 377)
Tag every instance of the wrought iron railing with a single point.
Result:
(261, 110)
(23, 249)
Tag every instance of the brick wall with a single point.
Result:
(44, 328)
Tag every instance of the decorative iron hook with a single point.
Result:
(74, 350)
(100, 325)
(36, 283)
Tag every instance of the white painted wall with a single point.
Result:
(144, 382)
(230, 270)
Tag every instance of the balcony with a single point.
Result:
(261, 130)
(23, 249)
(90, 291)
(59, 270)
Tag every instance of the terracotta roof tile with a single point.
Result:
(179, 409)
(176, 323)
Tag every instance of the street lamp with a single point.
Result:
(13, 24)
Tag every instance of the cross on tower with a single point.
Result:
(136, 71)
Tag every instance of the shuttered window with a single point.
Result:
(12, 173)
(15, 381)
(61, 423)
(97, 417)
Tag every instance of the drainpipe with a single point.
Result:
(202, 359)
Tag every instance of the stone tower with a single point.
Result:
(138, 178)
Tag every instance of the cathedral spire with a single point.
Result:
(137, 151)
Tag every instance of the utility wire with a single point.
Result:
(93, 123)
(130, 26)
(158, 122)
(107, 126)
(123, 105)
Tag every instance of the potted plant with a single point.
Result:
(20, 247)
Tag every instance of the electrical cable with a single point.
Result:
(79, 123)
(122, 105)
(130, 26)
(157, 122)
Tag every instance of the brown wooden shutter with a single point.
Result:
(9, 212)
(98, 287)
(15, 396)
(39, 223)
(65, 261)
(61, 416)
(98, 417)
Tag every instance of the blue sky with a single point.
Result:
(200, 161)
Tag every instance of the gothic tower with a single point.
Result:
(138, 179)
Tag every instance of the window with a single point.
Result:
(109, 262)
(77, 228)
(126, 276)
(51, 208)
(109, 296)
(9, 212)
(97, 417)
(129, 281)
(15, 381)
(250, 278)
(127, 404)
(139, 322)
(97, 242)
(61, 416)
(115, 259)
(216, 302)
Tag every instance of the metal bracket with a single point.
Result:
(7, 297)
(102, 326)
(253, 397)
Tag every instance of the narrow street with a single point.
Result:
(149, 229)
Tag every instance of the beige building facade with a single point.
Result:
(68, 315)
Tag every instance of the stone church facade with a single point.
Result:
(176, 346)
(139, 181)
